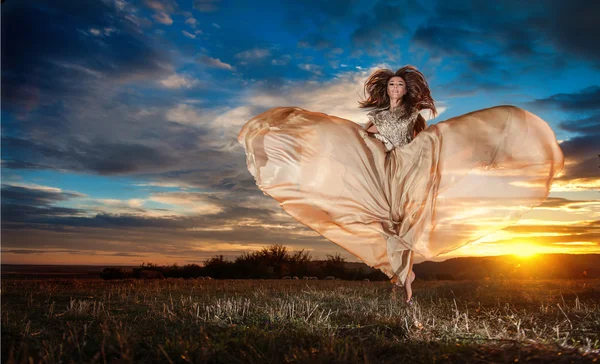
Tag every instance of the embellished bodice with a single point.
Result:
(395, 127)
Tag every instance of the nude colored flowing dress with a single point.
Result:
(455, 182)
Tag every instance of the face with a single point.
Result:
(396, 87)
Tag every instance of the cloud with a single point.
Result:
(583, 100)
(101, 157)
(312, 68)
(255, 54)
(554, 203)
(185, 114)
(162, 10)
(206, 6)
(282, 61)
(192, 22)
(315, 41)
(38, 251)
(509, 36)
(31, 194)
(572, 29)
(163, 18)
(581, 150)
(194, 216)
(215, 62)
(106, 32)
(167, 6)
(179, 81)
(189, 35)
(189, 202)
(43, 73)
(585, 126)
(319, 20)
(382, 25)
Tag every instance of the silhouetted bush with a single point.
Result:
(271, 262)
(114, 273)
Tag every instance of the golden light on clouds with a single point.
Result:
(578, 184)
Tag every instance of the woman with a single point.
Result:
(397, 188)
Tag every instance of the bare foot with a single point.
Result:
(408, 285)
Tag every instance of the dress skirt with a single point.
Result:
(455, 182)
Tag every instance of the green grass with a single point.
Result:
(52, 321)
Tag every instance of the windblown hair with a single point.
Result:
(418, 95)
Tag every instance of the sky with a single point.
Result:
(120, 118)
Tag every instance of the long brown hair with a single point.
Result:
(418, 95)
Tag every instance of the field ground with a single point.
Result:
(228, 321)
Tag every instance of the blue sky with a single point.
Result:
(119, 118)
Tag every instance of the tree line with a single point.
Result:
(271, 262)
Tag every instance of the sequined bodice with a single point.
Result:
(395, 127)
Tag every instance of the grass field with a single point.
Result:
(188, 321)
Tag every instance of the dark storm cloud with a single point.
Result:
(455, 27)
(32, 196)
(18, 153)
(584, 100)
(29, 212)
(34, 208)
(123, 255)
(37, 251)
(37, 230)
(581, 157)
(30, 205)
(573, 27)
(507, 37)
(52, 49)
(472, 83)
(104, 158)
(586, 126)
(382, 24)
(581, 151)
(444, 41)
(320, 18)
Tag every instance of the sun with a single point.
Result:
(525, 250)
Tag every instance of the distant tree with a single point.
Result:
(299, 263)
(274, 261)
(218, 267)
(250, 265)
(192, 271)
(335, 266)
(277, 257)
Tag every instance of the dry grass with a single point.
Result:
(228, 321)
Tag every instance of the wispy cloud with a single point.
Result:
(189, 35)
(255, 54)
(163, 18)
(207, 6)
(179, 81)
(215, 62)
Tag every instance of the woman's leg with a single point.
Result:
(409, 278)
